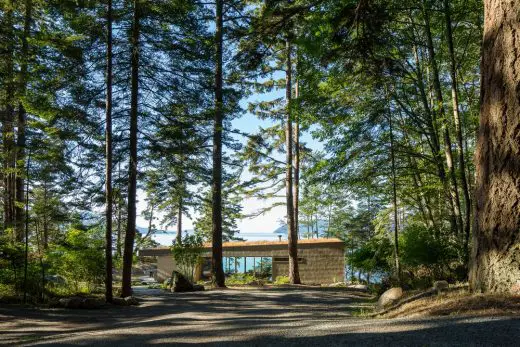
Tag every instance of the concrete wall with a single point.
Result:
(165, 266)
(320, 263)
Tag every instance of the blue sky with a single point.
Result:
(260, 227)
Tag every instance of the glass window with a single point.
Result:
(258, 265)
(266, 267)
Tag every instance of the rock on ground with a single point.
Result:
(130, 300)
(440, 285)
(389, 297)
(284, 317)
(182, 284)
(361, 287)
(77, 302)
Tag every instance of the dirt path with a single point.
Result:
(284, 317)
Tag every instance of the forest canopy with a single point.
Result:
(105, 103)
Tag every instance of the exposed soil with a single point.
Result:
(256, 317)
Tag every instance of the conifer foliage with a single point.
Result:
(369, 114)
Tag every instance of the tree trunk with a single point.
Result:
(444, 122)
(296, 159)
(132, 166)
(119, 231)
(424, 203)
(179, 223)
(8, 129)
(458, 127)
(495, 265)
(108, 153)
(21, 139)
(26, 234)
(45, 220)
(317, 221)
(434, 141)
(394, 203)
(292, 237)
(119, 216)
(216, 261)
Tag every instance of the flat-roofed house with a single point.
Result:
(321, 261)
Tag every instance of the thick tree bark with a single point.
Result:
(444, 122)
(294, 274)
(132, 166)
(108, 153)
(21, 139)
(495, 265)
(216, 261)
(8, 129)
(458, 126)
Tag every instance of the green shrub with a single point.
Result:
(7, 290)
(80, 259)
(281, 280)
(242, 279)
(188, 254)
(427, 254)
(167, 283)
(374, 256)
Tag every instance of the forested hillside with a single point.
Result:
(106, 102)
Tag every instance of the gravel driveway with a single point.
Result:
(282, 317)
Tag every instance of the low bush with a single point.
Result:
(281, 280)
(243, 279)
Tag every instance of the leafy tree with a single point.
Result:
(187, 254)
(80, 257)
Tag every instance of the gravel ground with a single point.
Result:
(262, 317)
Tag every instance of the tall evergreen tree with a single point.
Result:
(108, 151)
(496, 240)
(128, 253)
(216, 239)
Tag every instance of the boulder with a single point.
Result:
(130, 300)
(360, 287)
(515, 288)
(389, 297)
(72, 302)
(180, 283)
(440, 285)
(77, 302)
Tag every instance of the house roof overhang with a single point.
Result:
(253, 245)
